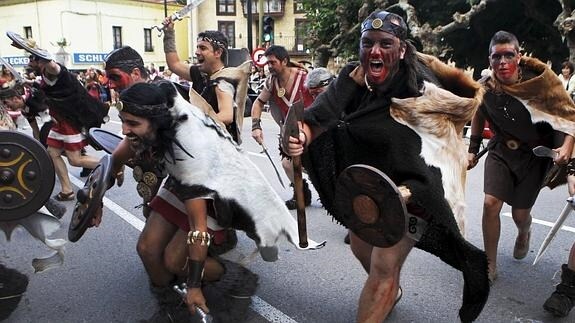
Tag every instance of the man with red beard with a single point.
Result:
(513, 174)
(351, 126)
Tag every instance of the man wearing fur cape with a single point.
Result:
(526, 106)
(390, 112)
(202, 160)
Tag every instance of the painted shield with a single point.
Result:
(26, 175)
(104, 140)
(371, 205)
(89, 198)
(28, 45)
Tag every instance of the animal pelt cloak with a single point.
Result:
(237, 76)
(360, 128)
(546, 100)
(243, 198)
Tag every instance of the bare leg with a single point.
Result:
(380, 289)
(155, 237)
(571, 262)
(491, 230)
(75, 158)
(288, 168)
(522, 219)
(361, 250)
(61, 169)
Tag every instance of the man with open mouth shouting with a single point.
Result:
(383, 147)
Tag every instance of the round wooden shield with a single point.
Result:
(89, 198)
(28, 45)
(371, 206)
(26, 175)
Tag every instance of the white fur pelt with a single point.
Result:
(40, 225)
(438, 116)
(221, 165)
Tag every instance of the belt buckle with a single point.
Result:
(512, 144)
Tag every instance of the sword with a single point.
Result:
(179, 15)
(569, 206)
(265, 150)
(291, 129)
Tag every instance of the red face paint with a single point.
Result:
(379, 54)
(504, 61)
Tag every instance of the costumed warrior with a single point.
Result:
(526, 106)
(366, 123)
(155, 118)
(73, 110)
(284, 86)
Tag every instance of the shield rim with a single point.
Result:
(393, 186)
(75, 232)
(94, 134)
(15, 37)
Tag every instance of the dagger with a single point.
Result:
(551, 235)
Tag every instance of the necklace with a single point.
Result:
(504, 108)
(367, 83)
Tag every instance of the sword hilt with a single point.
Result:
(182, 289)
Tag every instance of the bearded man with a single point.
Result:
(369, 116)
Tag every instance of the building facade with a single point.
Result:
(80, 33)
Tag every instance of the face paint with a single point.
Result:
(504, 61)
(380, 53)
(118, 79)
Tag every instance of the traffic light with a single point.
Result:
(268, 29)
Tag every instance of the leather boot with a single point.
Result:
(229, 298)
(563, 298)
(292, 204)
(172, 308)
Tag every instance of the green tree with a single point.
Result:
(457, 30)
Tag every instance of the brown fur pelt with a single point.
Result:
(544, 96)
(438, 117)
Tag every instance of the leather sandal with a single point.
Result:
(65, 196)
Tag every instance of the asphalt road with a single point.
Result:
(102, 279)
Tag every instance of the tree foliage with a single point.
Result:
(457, 30)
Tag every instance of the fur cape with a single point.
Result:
(241, 75)
(416, 141)
(544, 96)
(220, 166)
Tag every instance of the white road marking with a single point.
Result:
(258, 305)
(545, 223)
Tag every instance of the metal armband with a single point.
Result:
(204, 238)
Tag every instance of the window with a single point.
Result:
(228, 28)
(117, 34)
(148, 47)
(28, 32)
(300, 35)
(270, 6)
(226, 8)
(298, 6)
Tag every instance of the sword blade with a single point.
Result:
(179, 15)
(551, 235)
(542, 151)
(265, 150)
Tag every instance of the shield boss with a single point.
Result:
(370, 205)
(26, 175)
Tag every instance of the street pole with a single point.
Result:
(250, 35)
(260, 22)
